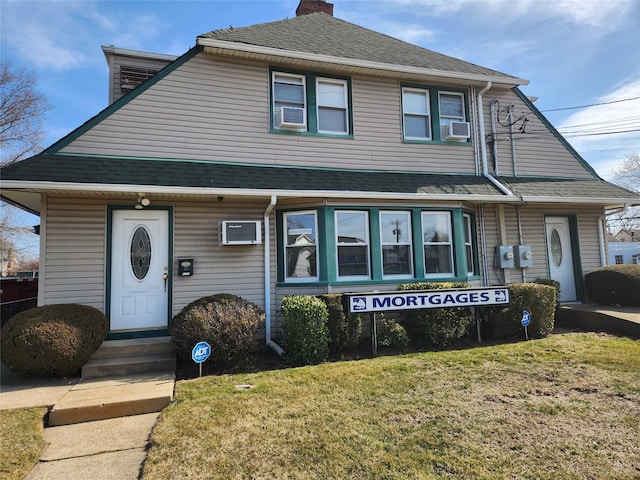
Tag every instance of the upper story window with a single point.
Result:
(310, 103)
(438, 246)
(301, 260)
(395, 241)
(352, 244)
(432, 115)
(416, 114)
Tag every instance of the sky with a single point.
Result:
(581, 57)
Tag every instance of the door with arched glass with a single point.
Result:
(139, 270)
(560, 256)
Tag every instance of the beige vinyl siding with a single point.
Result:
(537, 151)
(209, 109)
(75, 252)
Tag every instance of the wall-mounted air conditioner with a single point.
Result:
(290, 117)
(456, 131)
(240, 232)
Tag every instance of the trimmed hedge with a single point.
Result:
(391, 334)
(552, 283)
(53, 339)
(539, 300)
(436, 325)
(226, 322)
(614, 285)
(344, 330)
(305, 330)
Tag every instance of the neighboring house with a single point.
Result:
(627, 235)
(305, 156)
(624, 247)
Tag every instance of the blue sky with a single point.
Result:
(573, 52)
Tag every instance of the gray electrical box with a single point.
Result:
(523, 256)
(504, 256)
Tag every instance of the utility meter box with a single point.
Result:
(504, 256)
(523, 256)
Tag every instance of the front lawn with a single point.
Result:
(564, 407)
(20, 441)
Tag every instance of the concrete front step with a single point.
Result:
(111, 397)
(131, 356)
(110, 367)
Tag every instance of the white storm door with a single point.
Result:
(139, 269)
(560, 256)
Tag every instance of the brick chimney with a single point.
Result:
(313, 6)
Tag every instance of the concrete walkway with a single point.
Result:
(117, 415)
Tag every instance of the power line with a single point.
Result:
(591, 105)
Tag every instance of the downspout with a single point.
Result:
(483, 144)
(523, 270)
(604, 261)
(267, 279)
(494, 137)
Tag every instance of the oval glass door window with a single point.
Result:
(556, 247)
(140, 252)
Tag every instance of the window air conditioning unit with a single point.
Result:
(241, 232)
(456, 131)
(290, 117)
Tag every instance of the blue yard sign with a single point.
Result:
(526, 320)
(200, 353)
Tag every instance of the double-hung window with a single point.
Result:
(301, 260)
(416, 114)
(289, 101)
(451, 108)
(352, 244)
(333, 114)
(395, 240)
(437, 240)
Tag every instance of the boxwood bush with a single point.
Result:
(391, 334)
(436, 325)
(552, 283)
(226, 322)
(305, 329)
(344, 330)
(539, 300)
(53, 339)
(614, 285)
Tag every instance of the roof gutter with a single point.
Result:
(483, 145)
(246, 50)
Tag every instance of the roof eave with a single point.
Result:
(607, 201)
(101, 188)
(258, 52)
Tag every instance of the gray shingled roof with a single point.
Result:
(566, 188)
(319, 33)
(120, 171)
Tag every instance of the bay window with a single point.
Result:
(438, 251)
(301, 260)
(352, 244)
(395, 241)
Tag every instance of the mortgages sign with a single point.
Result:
(420, 299)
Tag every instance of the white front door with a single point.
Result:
(139, 270)
(560, 256)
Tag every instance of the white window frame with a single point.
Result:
(339, 244)
(444, 119)
(449, 243)
(468, 244)
(345, 108)
(285, 225)
(281, 78)
(409, 243)
(428, 115)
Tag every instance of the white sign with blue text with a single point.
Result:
(420, 299)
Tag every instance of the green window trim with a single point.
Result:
(311, 103)
(326, 244)
(434, 113)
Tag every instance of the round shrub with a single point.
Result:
(53, 339)
(391, 334)
(226, 322)
(344, 330)
(436, 325)
(539, 300)
(305, 330)
(614, 285)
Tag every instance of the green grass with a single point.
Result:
(567, 406)
(20, 440)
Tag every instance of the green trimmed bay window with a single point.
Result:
(330, 245)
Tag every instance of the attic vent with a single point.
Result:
(131, 77)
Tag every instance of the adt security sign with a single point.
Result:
(201, 352)
(526, 318)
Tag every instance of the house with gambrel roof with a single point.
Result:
(305, 156)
